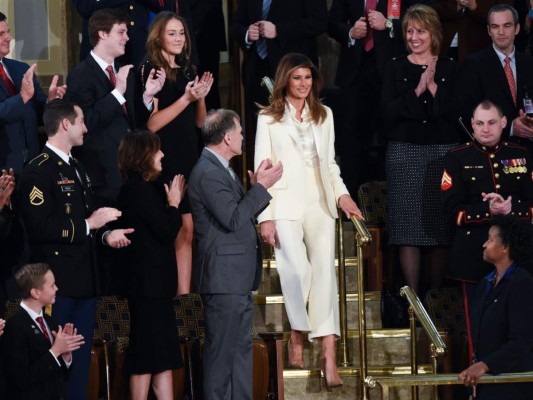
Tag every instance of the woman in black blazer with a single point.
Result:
(418, 107)
(150, 264)
(502, 316)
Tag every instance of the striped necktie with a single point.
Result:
(261, 45)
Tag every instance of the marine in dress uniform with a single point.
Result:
(470, 170)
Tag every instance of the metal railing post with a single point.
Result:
(342, 293)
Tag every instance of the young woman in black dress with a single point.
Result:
(179, 109)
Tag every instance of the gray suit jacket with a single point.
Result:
(228, 256)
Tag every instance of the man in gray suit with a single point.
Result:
(227, 264)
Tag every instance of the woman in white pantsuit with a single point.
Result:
(297, 129)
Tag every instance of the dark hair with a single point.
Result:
(30, 276)
(216, 124)
(288, 63)
(2, 17)
(502, 8)
(154, 44)
(517, 235)
(103, 21)
(136, 154)
(427, 18)
(487, 105)
(55, 112)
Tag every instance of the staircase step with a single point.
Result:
(309, 384)
(384, 347)
(270, 314)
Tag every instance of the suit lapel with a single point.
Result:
(15, 72)
(12, 70)
(291, 129)
(98, 72)
(211, 157)
(521, 72)
(499, 73)
(34, 329)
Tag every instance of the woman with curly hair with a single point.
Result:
(179, 109)
(502, 316)
(297, 129)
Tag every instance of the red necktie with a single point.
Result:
(10, 87)
(43, 328)
(368, 42)
(510, 77)
(113, 79)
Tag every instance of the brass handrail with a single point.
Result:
(362, 237)
(386, 382)
(425, 320)
(437, 347)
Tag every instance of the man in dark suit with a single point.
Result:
(227, 264)
(21, 105)
(107, 94)
(266, 30)
(209, 30)
(368, 40)
(37, 350)
(56, 204)
(485, 77)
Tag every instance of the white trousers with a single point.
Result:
(306, 264)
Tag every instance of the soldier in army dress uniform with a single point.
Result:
(63, 227)
(481, 179)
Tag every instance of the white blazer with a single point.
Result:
(279, 141)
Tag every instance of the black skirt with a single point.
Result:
(154, 343)
(414, 174)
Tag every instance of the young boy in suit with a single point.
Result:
(37, 353)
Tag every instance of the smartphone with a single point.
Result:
(528, 106)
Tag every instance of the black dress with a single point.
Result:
(151, 276)
(179, 138)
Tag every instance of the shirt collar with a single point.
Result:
(101, 62)
(223, 161)
(502, 56)
(64, 156)
(32, 313)
(507, 274)
(292, 110)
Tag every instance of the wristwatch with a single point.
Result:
(390, 27)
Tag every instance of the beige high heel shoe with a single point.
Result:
(330, 382)
(295, 362)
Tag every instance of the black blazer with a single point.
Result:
(298, 23)
(30, 369)
(342, 16)
(150, 261)
(424, 119)
(90, 88)
(502, 322)
(483, 78)
(54, 205)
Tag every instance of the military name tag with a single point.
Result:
(66, 182)
(67, 188)
(473, 167)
